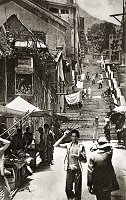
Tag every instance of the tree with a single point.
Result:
(99, 35)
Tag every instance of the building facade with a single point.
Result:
(38, 37)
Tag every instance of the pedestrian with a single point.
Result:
(41, 145)
(100, 83)
(28, 137)
(80, 106)
(87, 76)
(119, 135)
(95, 128)
(75, 154)
(4, 144)
(101, 76)
(51, 138)
(37, 140)
(106, 119)
(119, 129)
(101, 177)
(89, 92)
(48, 138)
(96, 75)
(85, 92)
(93, 80)
(107, 130)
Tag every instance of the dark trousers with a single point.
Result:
(74, 177)
(119, 136)
(103, 195)
(100, 85)
(107, 135)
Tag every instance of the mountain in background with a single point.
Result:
(89, 20)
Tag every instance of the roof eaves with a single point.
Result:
(40, 11)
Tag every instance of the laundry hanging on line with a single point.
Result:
(73, 98)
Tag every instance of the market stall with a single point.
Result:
(35, 119)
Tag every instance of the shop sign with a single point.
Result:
(25, 62)
(114, 47)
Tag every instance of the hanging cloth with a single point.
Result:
(73, 98)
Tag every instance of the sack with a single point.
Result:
(82, 157)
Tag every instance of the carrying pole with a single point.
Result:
(26, 115)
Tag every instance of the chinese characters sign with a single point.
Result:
(114, 47)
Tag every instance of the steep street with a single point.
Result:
(48, 183)
(97, 105)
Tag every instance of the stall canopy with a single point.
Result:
(8, 112)
(21, 105)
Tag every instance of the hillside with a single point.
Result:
(89, 20)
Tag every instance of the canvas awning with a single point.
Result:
(8, 112)
(22, 105)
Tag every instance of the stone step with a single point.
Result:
(85, 115)
(86, 111)
(84, 121)
(88, 137)
(97, 105)
(89, 130)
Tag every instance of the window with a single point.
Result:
(23, 83)
(64, 11)
(54, 10)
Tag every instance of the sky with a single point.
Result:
(102, 9)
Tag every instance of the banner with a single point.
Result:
(73, 98)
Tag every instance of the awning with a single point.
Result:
(41, 113)
(22, 105)
(8, 112)
(61, 117)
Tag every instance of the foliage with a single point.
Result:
(99, 35)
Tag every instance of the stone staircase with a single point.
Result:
(97, 105)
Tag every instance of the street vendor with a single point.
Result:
(17, 142)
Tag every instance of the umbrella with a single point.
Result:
(120, 109)
(118, 117)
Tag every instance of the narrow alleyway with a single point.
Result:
(48, 183)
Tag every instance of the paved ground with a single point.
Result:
(48, 183)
